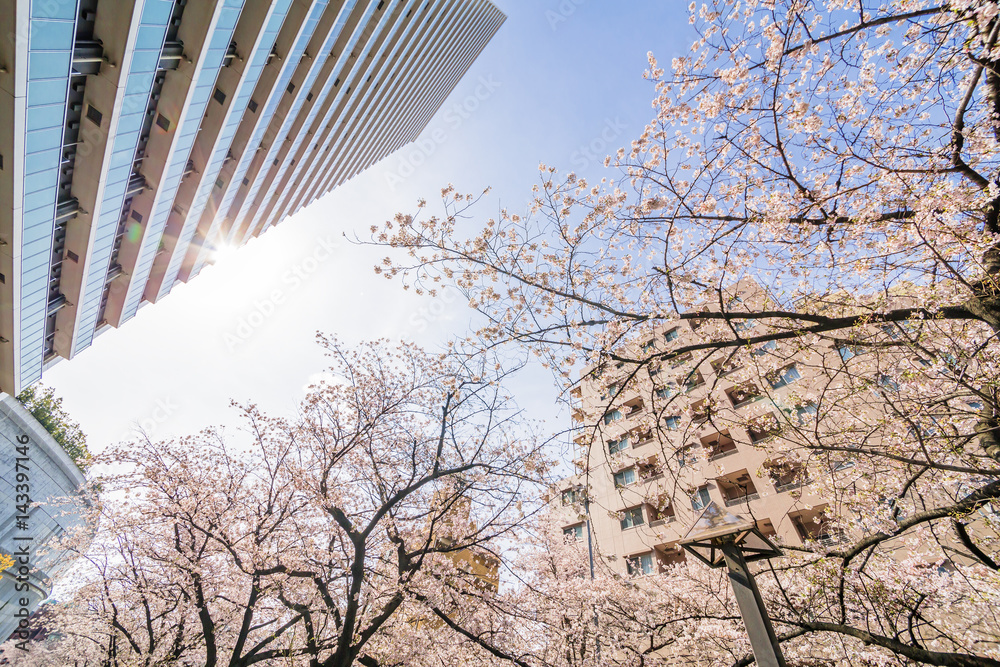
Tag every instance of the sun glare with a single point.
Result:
(223, 253)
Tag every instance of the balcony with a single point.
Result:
(786, 473)
(743, 394)
(719, 445)
(88, 56)
(763, 427)
(640, 436)
(790, 486)
(661, 522)
(814, 525)
(739, 500)
(688, 456)
(692, 381)
(723, 367)
(701, 411)
(171, 55)
(737, 488)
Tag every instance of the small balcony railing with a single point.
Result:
(723, 454)
(739, 500)
(788, 486)
(660, 522)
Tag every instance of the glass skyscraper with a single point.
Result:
(137, 135)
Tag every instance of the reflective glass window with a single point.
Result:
(51, 35)
(48, 65)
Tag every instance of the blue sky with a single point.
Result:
(561, 83)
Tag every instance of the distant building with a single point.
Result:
(685, 433)
(138, 135)
(33, 465)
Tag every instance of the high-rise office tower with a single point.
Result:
(138, 135)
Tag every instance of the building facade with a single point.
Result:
(33, 464)
(140, 135)
(657, 443)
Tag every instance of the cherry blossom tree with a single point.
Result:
(819, 186)
(313, 540)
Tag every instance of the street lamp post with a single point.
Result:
(720, 538)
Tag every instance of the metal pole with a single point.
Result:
(762, 638)
(590, 542)
(590, 552)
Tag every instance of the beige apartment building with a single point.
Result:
(655, 444)
(138, 136)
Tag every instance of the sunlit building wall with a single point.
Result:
(137, 136)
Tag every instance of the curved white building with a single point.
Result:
(32, 461)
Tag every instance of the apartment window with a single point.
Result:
(764, 348)
(573, 533)
(664, 392)
(624, 477)
(681, 360)
(649, 346)
(252, 105)
(219, 96)
(632, 517)
(672, 335)
(672, 423)
(890, 330)
(743, 325)
(846, 352)
(615, 446)
(612, 416)
(569, 496)
(805, 413)
(612, 391)
(700, 498)
(784, 377)
(640, 564)
(887, 382)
